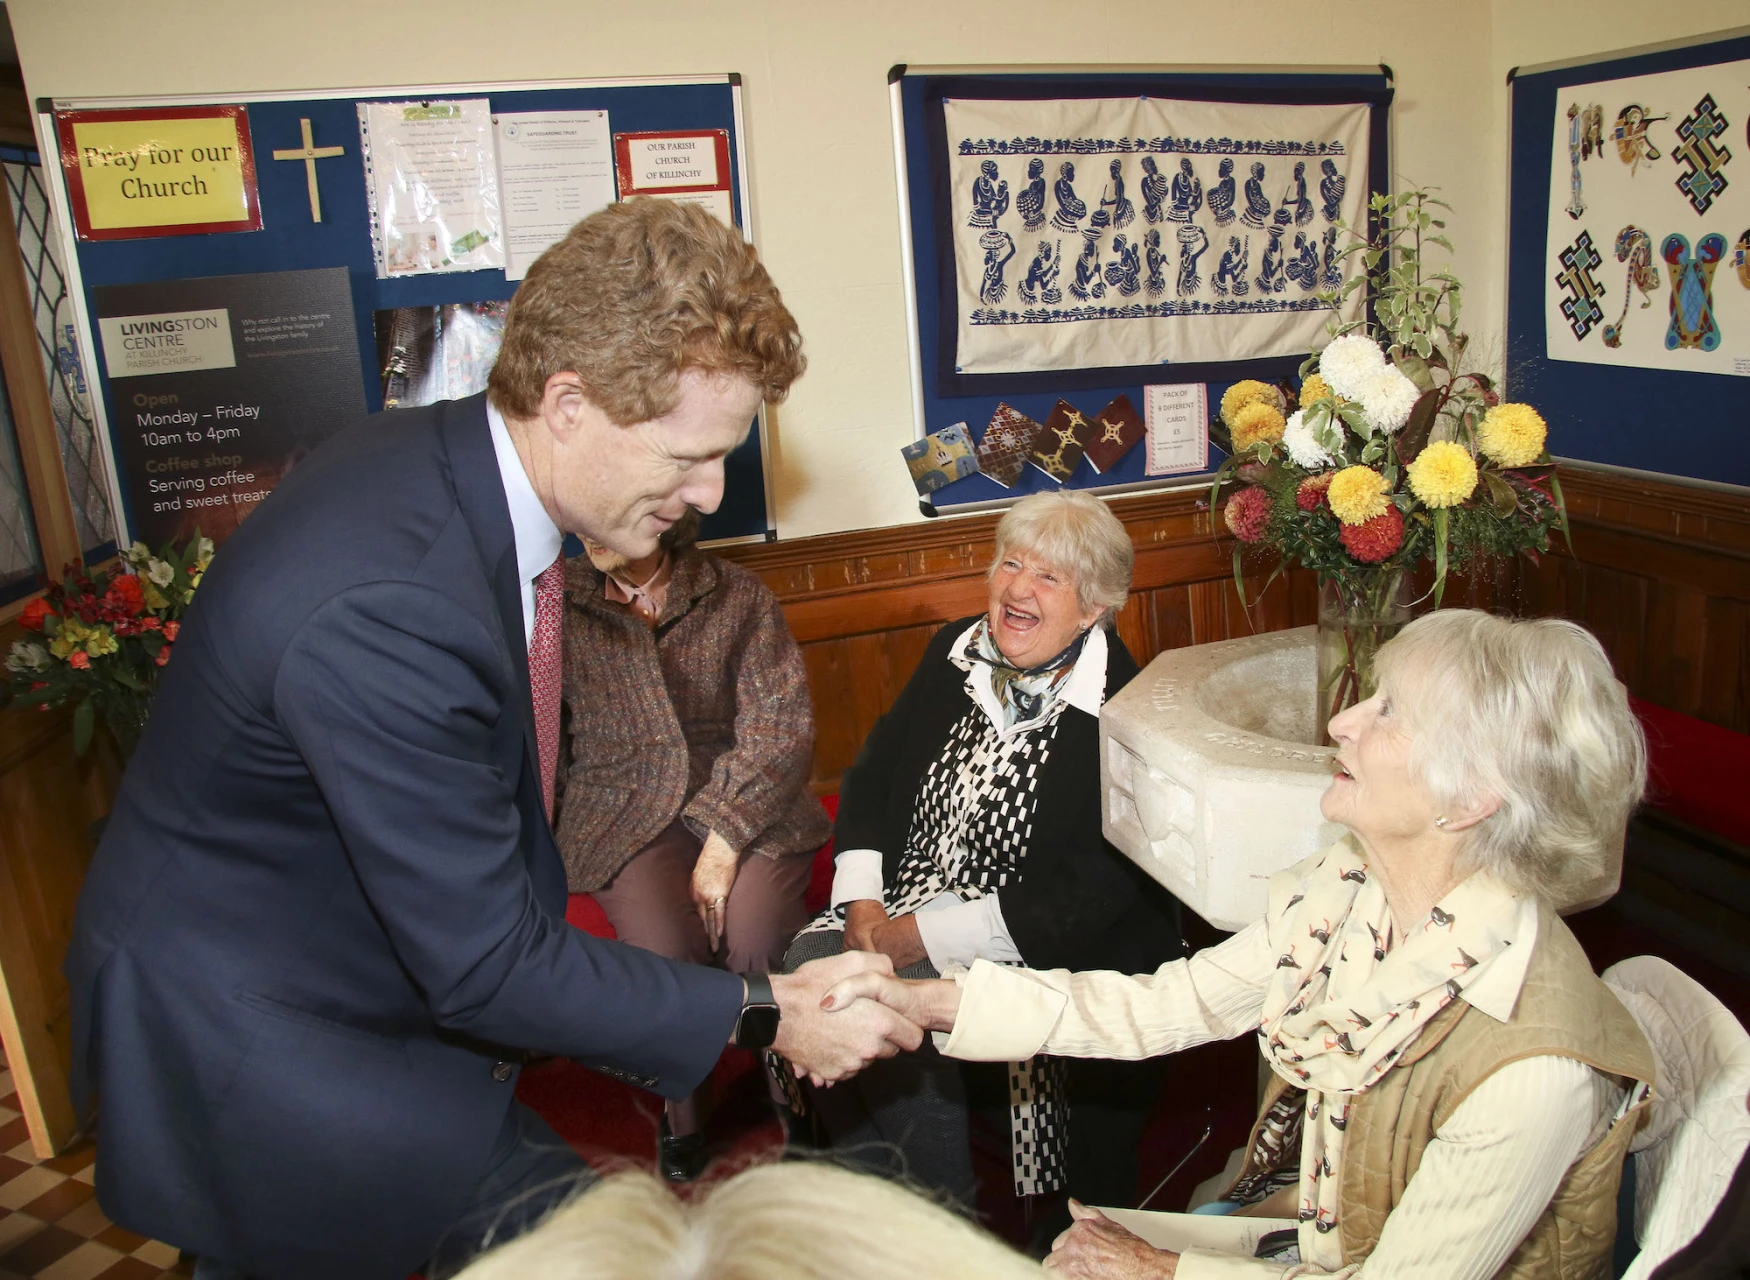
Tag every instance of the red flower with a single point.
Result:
(1248, 514)
(38, 684)
(34, 614)
(80, 660)
(126, 593)
(163, 654)
(1375, 540)
(170, 630)
(1313, 491)
(151, 624)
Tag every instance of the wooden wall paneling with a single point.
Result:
(48, 799)
(1725, 688)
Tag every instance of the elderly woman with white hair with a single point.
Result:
(969, 829)
(1452, 1090)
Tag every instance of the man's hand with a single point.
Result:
(713, 878)
(833, 1045)
(1097, 1248)
(862, 918)
(931, 1003)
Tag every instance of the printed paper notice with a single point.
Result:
(555, 168)
(433, 185)
(690, 166)
(1178, 428)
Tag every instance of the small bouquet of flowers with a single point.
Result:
(1388, 455)
(101, 643)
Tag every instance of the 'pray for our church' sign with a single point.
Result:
(165, 171)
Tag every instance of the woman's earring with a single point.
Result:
(1441, 822)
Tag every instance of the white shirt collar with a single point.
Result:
(1496, 991)
(538, 539)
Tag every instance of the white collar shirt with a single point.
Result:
(538, 540)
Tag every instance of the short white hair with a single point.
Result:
(1076, 534)
(794, 1221)
(1531, 713)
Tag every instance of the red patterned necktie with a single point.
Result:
(545, 671)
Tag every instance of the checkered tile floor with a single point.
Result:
(50, 1225)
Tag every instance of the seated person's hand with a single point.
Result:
(713, 877)
(1097, 1248)
(862, 918)
(833, 1043)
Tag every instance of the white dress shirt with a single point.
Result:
(1483, 1180)
(953, 931)
(538, 539)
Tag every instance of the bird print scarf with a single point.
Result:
(1348, 996)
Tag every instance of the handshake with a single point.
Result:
(841, 1013)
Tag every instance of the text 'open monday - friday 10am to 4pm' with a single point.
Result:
(154, 423)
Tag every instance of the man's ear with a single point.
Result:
(563, 402)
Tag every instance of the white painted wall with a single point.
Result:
(821, 163)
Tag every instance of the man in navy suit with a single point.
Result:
(325, 923)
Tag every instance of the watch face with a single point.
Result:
(758, 1026)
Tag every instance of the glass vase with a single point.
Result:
(1355, 619)
(124, 715)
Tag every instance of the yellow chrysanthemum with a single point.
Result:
(1314, 388)
(1444, 474)
(100, 641)
(1257, 422)
(1356, 495)
(1244, 392)
(1512, 434)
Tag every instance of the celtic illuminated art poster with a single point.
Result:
(1649, 222)
(1112, 232)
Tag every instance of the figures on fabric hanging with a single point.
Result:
(1154, 189)
(1333, 275)
(1635, 247)
(1187, 193)
(1294, 200)
(1030, 203)
(1701, 150)
(1040, 286)
(1157, 276)
(1630, 134)
(1125, 273)
(1112, 198)
(1193, 240)
(1221, 195)
(1579, 260)
(1585, 140)
(1089, 283)
(990, 197)
(1230, 276)
(1070, 209)
(1271, 276)
(998, 248)
(1257, 203)
(1303, 263)
(1331, 188)
(1741, 259)
(1693, 325)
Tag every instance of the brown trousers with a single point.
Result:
(650, 905)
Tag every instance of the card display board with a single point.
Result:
(1628, 273)
(316, 214)
(931, 212)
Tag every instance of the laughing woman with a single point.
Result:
(969, 828)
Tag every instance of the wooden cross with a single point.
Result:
(310, 153)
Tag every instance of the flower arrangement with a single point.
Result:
(1389, 454)
(104, 641)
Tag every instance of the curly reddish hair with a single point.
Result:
(634, 296)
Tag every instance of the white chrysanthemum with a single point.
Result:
(1387, 398)
(1297, 438)
(1348, 362)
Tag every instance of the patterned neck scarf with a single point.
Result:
(1025, 693)
(1348, 997)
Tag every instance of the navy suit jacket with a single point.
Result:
(327, 910)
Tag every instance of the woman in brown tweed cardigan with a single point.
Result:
(686, 809)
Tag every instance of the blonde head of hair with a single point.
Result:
(636, 295)
(792, 1221)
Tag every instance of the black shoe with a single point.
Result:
(680, 1159)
